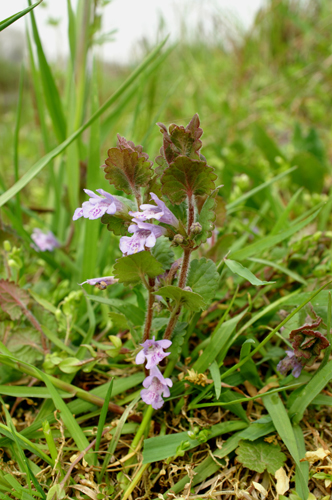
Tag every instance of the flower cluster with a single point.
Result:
(144, 234)
(44, 241)
(155, 385)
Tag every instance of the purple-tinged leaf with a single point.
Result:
(187, 177)
(181, 141)
(127, 169)
(13, 300)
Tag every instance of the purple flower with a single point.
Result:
(155, 386)
(101, 283)
(290, 362)
(97, 206)
(159, 212)
(153, 352)
(44, 241)
(145, 235)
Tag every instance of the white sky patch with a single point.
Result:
(133, 20)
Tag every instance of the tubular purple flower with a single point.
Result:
(102, 282)
(44, 241)
(290, 362)
(97, 206)
(159, 212)
(153, 352)
(155, 386)
(145, 235)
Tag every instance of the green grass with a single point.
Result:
(263, 98)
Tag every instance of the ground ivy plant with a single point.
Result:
(175, 201)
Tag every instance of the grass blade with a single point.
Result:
(40, 164)
(10, 20)
(103, 416)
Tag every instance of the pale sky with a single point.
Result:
(132, 18)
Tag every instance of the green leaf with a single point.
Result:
(238, 269)
(260, 428)
(190, 300)
(206, 218)
(127, 170)
(283, 269)
(187, 177)
(163, 252)
(310, 172)
(133, 268)
(203, 278)
(215, 374)
(117, 225)
(10, 20)
(259, 455)
(180, 141)
(45, 160)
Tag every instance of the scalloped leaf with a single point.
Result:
(128, 170)
(180, 141)
(259, 455)
(13, 299)
(187, 177)
(115, 224)
(163, 252)
(131, 269)
(190, 300)
(203, 278)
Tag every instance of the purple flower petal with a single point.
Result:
(153, 352)
(44, 241)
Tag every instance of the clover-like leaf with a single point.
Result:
(127, 169)
(180, 141)
(203, 278)
(132, 269)
(190, 300)
(259, 455)
(187, 177)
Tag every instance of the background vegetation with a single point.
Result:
(264, 101)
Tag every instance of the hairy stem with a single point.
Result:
(184, 267)
(172, 321)
(191, 214)
(148, 319)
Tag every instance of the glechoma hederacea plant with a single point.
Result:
(182, 187)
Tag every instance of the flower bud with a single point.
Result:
(196, 228)
(187, 289)
(178, 239)
(7, 245)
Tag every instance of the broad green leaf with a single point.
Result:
(162, 447)
(310, 391)
(190, 300)
(40, 164)
(203, 278)
(310, 172)
(270, 241)
(133, 268)
(187, 177)
(259, 455)
(10, 20)
(127, 170)
(242, 271)
(163, 252)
